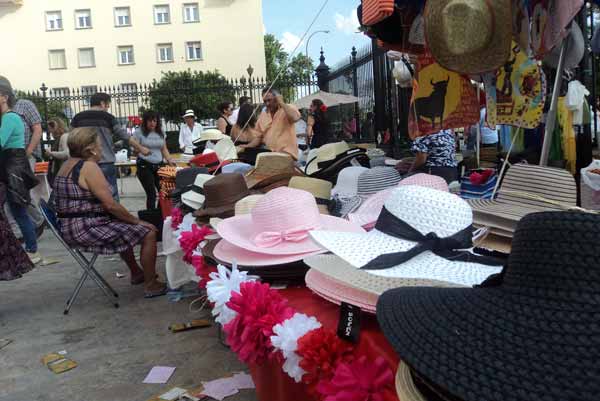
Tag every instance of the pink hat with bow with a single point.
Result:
(279, 224)
(368, 213)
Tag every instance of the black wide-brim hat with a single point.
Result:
(531, 333)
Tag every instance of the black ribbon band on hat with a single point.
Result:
(324, 202)
(197, 190)
(450, 248)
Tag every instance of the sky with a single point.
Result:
(288, 20)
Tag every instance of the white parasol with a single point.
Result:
(329, 99)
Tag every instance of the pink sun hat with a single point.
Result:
(368, 213)
(280, 222)
(229, 253)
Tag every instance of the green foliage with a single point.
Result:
(298, 71)
(201, 91)
(56, 108)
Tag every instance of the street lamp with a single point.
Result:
(310, 37)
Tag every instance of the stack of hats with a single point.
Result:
(368, 183)
(329, 160)
(272, 170)
(417, 241)
(368, 212)
(209, 135)
(220, 196)
(184, 181)
(530, 333)
(209, 160)
(194, 196)
(275, 233)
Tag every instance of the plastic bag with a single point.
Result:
(121, 156)
(590, 186)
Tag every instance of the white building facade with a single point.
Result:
(86, 44)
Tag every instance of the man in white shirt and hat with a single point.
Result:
(189, 132)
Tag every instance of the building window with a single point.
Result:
(165, 52)
(162, 14)
(83, 19)
(87, 59)
(191, 12)
(57, 59)
(126, 55)
(87, 92)
(194, 51)
(122, 16)
(54, 21)
(60, 92)
(129, 93)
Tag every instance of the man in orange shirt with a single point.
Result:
(276, 125)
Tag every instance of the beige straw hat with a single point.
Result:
(270, 167)
(405, 386)
(469, 36)
(321, 190)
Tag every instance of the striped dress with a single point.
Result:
(99, 232)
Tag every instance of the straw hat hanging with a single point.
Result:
(469, 36)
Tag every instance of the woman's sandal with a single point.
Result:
(156, 293)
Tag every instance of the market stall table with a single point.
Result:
(120, 166)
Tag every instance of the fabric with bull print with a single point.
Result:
(441, 100)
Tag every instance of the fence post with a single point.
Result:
(379, 89)
(44, 89)
(323, 74)
(355, 92)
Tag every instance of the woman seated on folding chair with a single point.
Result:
(92, 221)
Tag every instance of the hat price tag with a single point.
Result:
(349, 323)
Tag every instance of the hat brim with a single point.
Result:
(359, 249)
(193, 199)
(491, 57)
(220, 211)
(338, 293)
(240, 231)
(484, 341)
(405, 386)
(228, 252)
(354, 286)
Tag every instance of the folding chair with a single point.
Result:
(86, 264)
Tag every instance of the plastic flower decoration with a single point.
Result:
(286, 340)
(186, 225)
(321, 351)
(219, 289)
(190, 240)
(176, 218)
(258, 310)
(359, 380)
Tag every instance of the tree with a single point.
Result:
(197, 90)
(299, 69)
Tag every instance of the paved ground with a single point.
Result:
(115, 348)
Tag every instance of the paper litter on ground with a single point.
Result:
(159, 375)
(173, 394)
(220, 389)
(243, 381)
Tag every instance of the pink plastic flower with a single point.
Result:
(359, 380)
(176, 218)
(190, 240)
(259, 309)
(203, 270)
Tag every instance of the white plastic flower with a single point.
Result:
(286, 339)
(186, 225)
(219, 290)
